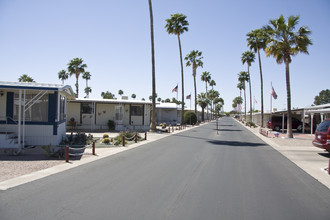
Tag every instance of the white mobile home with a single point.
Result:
(34, 113)
(94, 114)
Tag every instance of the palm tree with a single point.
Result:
(153, 107)
(284, 43)
(159, 99)
(177, 25)
(120, 92)
(133, 96)
(87, 76)
(240, 86)
(25, 78)
(87, 91)
(76, 67)
(257, 39)
(248, 57)
(202, 101)
(108, 95)
(63, 75)
(212, 95)
(206, 77)
(194, 58)
(243, 77)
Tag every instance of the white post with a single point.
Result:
(283, 123)
(19, 117)
(322, 116)
(312, 117)
(24, 116)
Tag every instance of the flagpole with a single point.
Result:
(271, 98)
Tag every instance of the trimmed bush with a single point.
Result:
(190, 118)
(105, 136)
(105, 141)
(251, 124)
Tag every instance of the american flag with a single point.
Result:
(273, 93)
(188, 97)
(175, 89)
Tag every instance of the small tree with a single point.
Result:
(107, 95)
(322, 98)
(190, 118)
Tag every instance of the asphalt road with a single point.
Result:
(195, 174)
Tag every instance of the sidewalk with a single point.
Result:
(300, 151)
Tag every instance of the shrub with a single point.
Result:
(190, 118)
(105, 136)
(111, 125)
(105, 140)
(250, 123)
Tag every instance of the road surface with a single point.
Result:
(195, 174)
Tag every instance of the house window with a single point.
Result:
(86, 108)
(36, 109)
(136, 110)
(119, 112)
(62, 108)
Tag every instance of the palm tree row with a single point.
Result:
(76, 67)
(281, 40)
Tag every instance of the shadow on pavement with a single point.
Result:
(236, 143)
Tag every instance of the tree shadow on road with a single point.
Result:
(236, 143)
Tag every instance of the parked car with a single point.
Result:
(275, 123)
(322, 135)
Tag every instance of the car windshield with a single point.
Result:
(324, 126)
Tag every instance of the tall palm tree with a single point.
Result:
(243, 77)
(87, 76)
(202, 101)
(240, 86)
(206, 77)
(257, 39)
(284, 43)
(25, 78)
(153, 72)
(63, 75)
(133, 96)
(248, 57)
(194, 58)
(177, 25)
(76, 67)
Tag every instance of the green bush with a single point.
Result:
(250, 123)
(105, 140)
(190, 118)
(105, 136)
(111, 125)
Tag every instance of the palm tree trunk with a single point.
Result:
(195, 88)
(77, 85)
(244, 103)
(288, 92)
(153, 110)
(182, 105)
(250, 93)
(262, 91)
(207, 106)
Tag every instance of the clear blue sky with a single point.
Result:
(40, 37)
